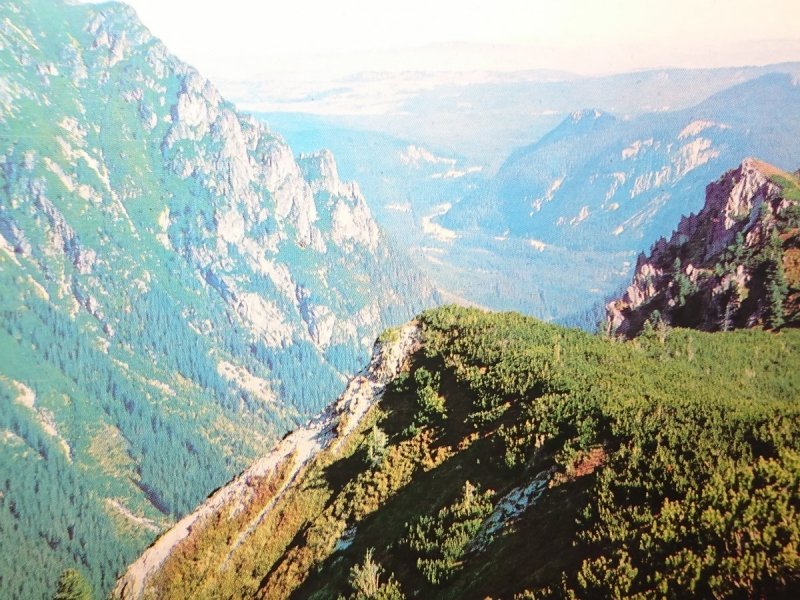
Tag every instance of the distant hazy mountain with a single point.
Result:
(176, 289)
(484, 118)
(403, 179)
(598, 187)
(597, 181)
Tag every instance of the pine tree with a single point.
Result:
(777, 287)
(365, 579)
(683, 285)
(73, 586)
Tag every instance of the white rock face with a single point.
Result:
(230, 226)
(537, 245)
(698, 126)
(321, 171)
(652, 179)
(580, 217)
(417, 155)
(264, 318)
(253, 179)
(537, 203)
(352, 221)
(619, 179)
(633, 150)
(692, 155)
(510, 508)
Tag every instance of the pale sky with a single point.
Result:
(247, 39)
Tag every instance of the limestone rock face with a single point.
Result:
(711, 273)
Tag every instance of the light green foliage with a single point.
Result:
(735, 531)
(790, 185)
(441, 540)
(430, 402)
(365, 580)
(700, 496)
(389, 335)
(73, 586)
(377, 442)
(669, 466)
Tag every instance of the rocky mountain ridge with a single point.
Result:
(284, 464)
(733, 264)
(600, 188)
(502, 457)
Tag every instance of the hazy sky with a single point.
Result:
(231, 39)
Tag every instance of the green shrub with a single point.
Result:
(441, 540)
(429, 401)
(365, 580)
(73, 586)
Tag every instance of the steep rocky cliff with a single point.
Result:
(733, 264)
(177, 290)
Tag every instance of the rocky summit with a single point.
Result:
(733, 264)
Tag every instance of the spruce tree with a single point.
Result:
(777, 287)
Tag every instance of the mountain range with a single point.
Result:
(484, 116)
(178, 289)
(593, 191)
(183, 293)
(604, 188)
(487, 454)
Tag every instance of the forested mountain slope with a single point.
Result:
(515, 459)
(603, 182)
(176, 290)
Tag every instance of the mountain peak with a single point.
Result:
(320, 169)
(591, 114)
(751, 164)
(725, 266)
(580, 122)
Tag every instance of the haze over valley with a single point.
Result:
(344, 300)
